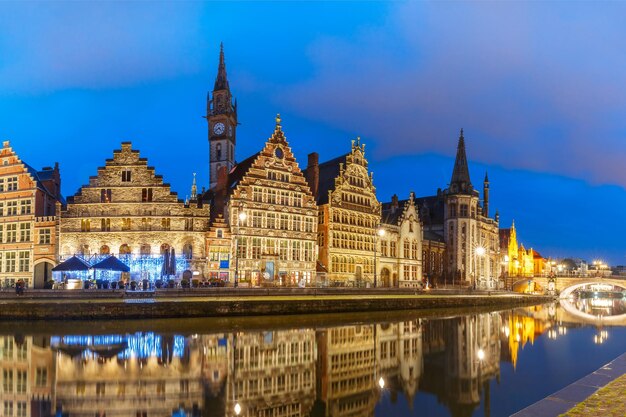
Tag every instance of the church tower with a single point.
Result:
(221, 115)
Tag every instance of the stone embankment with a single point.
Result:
(231, 302)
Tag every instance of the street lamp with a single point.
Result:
(241, 217)
(381, 383)
(480, 252)
(380, 232)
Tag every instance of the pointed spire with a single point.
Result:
(486, 176)
(221, 81)
(194, 188)
(460, 175)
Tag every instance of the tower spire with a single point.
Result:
(486, 196)
(221, 81)
(194, 188)
(460, 175)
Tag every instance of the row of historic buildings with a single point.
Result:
(263, 219)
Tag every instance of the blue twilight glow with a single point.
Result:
(539, 87)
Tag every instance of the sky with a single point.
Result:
(538, 87)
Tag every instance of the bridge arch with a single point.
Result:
(527, 285)
(567, 292)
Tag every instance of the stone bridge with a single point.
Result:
(564, 285)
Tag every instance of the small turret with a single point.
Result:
(486, 196)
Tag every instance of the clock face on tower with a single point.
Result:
(218, 128)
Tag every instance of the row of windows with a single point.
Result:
(287, 250)
(271, 196)
(106, 195)
(352, 219)
(16, 208)
(9, 232)
(463, 210)
(126, 224)
(275, 385)
(278, 176)
(350, 264)
(120, 388)
(15, 261)
(356, 199)
(8, 184)
(410, 272)
(20, 409)
(7, 349)
(11, 385)
(280, 221)
(352, 241)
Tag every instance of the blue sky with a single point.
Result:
(540, 89)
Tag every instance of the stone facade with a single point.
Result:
(28, 224)
(455, 214)
(349, 216)
(400, 247)
(276, 242)
(127, 210)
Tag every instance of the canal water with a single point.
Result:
(386, 365)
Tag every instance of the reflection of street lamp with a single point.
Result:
(237, 409)
(381, 383)
(241, 217)
(480, 252)
(379, 233)
(480, 354)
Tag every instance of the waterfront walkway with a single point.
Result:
(600, 394)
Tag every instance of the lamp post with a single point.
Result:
(479, 251)
(241, 217)
(380, 232)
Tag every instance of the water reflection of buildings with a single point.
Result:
(136, 375)
(27, 370)
(461, 355)
(517, 331)
(271, 374)
(334, 371)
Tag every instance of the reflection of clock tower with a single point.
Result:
(222, 118)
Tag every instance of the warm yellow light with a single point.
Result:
(480, 354)
(237, 409)
(381, 232)
(381, 383)
(506, 258)
(242, 216)
(480, 251)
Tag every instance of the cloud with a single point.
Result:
(53, 45)
(539, 86)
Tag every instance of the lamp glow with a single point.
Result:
(480, 354)
(480, 251)
(237, 409)
(381, 383)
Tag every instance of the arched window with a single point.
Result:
(124, 249)
(218, 151)
(84, 249)
(104, 250)
(145, 249)
(164, 247)
(188, 251)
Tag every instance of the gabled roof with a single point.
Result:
(329, 170)
(431, 209)
(239, 171)
(391, 214)
(432, 236)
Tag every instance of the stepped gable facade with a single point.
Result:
(400, 247)
(276, 242)
(28, 220)
(127, 210)
(349, 216)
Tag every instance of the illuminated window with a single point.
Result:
(12, 184)
(105, 195)
(105, 225)
(124, 249)
(85, 225)
(165, 223)
(44, 236)
(104, 250)
(126, 224)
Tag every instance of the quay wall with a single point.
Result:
(97, 306)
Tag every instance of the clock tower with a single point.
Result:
(221, 115)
